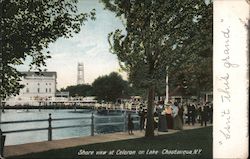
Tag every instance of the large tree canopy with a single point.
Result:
(175, 32)
(110, 87)
(159, 34)
(27, 28)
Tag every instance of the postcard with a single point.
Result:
(124, 79)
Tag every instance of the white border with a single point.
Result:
(230, 129)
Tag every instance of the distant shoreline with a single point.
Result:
(47, 107)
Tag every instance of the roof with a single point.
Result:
(39, 74)
(178, 91)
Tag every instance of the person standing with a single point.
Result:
(180, 113)
(202, 115)
(189, 113)
(193, 114)
(130, 125)
(169, 117)
(205, 115)
(210, 112)
(199, 113)
(162, 124)
(142, 115)
(177, 121)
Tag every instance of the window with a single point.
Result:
(38, 90)
(49, 89)
(46, 90)
(38, 84)
(27, 90)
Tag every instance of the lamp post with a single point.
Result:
(166, 99)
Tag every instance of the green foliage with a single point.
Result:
(161, 36)
(195, 77)
(27, 28)
(137, 91)
(110, 87)
(79, 90)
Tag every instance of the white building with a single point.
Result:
(39, 89)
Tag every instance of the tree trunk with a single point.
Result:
(150, 118)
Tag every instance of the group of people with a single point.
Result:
(169, 117)
(174, 116)
(199, 114)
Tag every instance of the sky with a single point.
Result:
(90, 46)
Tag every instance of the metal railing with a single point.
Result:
(50, 128)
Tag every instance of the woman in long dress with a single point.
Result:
(162, 124)
(177, 120)
(169, 117)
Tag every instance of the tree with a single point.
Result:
(79, 90)
(110, 87)
(159, 34)
(195, 77)
(27, 28)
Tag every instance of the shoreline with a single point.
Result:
(47, 107)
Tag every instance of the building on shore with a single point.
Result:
(39, 88)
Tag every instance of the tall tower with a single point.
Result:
(80, 73)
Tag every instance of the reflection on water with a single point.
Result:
(35, 136)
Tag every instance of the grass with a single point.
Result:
(200, 139)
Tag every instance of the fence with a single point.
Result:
(50, 127)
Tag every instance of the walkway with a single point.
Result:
(16, 150)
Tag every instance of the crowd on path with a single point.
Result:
(175, 115)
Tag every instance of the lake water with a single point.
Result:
(36, 136)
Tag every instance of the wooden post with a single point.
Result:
(2, 141)
(92, 124)
(49, 128)
(1, 148)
